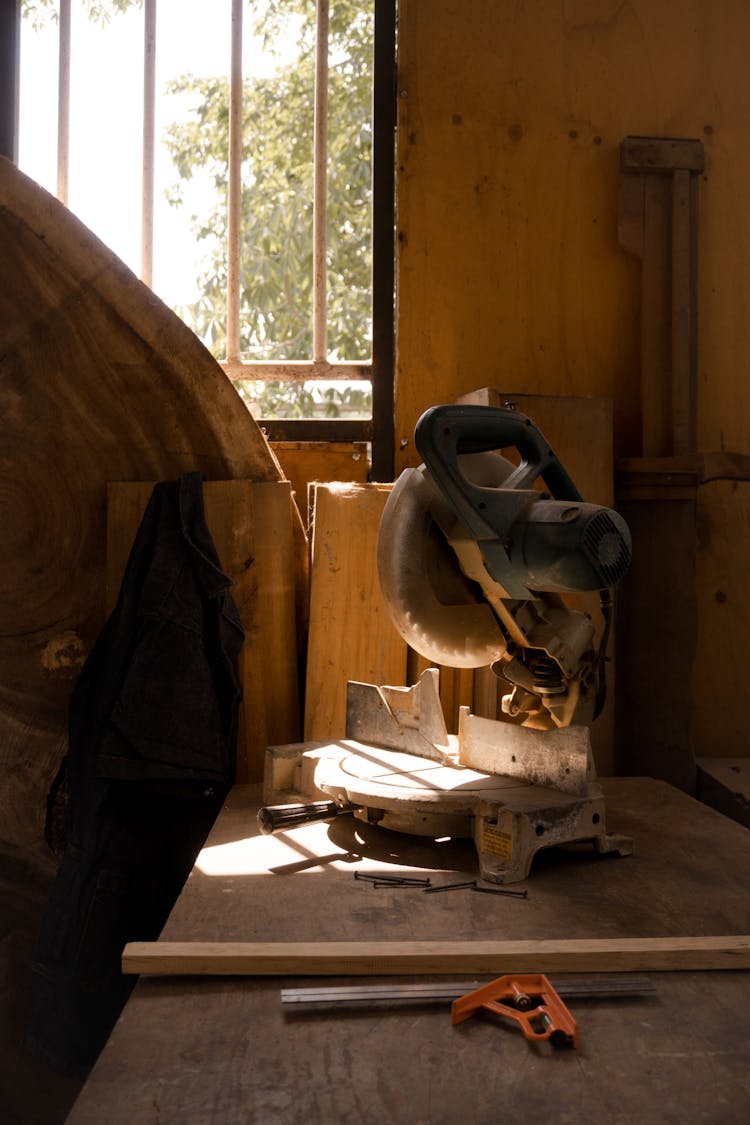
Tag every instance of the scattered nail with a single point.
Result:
(449, 887)
(501, 891)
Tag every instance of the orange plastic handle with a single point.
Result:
(527, 998)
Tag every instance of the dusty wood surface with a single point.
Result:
(386, 958)
(510, 122)
(252, 528)
(222, 1050)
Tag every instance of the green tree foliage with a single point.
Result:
(276, 248)
(100, 11)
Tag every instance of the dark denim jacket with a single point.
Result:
(151, 755)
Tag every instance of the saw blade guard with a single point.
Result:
(438, 610)
(473, 558)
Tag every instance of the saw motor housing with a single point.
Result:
(475, 562)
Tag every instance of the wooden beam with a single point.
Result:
(374, 958)
(657, 221)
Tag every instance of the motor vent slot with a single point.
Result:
(605, 546)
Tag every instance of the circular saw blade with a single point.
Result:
(441, 613)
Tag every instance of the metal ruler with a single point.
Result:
(443, 991)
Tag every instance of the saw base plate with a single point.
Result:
(508, 819)
(513, 791)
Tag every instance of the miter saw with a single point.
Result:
(477, 554)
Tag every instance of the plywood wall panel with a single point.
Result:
(578, 429)
(721, 671)
(509, 271)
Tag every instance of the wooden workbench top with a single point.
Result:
(222, 1050)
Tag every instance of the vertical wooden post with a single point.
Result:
(657, 222)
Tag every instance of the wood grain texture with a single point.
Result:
(509, 270)
(383, 958)
(223, 1049)
(99, 381)
(351, 634)
(252, 529)
(305, 462)
(721, 670)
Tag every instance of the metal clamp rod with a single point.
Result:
(277, 818)
(598, 987)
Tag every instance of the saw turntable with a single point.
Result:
(479, 559)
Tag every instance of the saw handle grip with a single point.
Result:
(443, 433)
(277, 818)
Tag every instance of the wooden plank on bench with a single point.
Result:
(376, 958)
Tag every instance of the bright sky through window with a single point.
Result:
(247, 278)
(106, 128)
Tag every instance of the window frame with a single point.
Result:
(378, 430)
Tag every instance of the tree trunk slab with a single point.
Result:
(99, 382)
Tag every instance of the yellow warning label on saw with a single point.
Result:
(497, 843)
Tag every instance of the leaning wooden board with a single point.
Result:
(374, 958)
(351, 634)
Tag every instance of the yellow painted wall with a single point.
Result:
(511, 113)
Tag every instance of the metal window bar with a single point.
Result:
(63, 102)
(234, 202)
(149, 112)
(320, 177)
(10, 52)
(149, 107)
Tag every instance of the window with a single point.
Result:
(239, 157)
